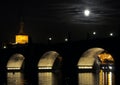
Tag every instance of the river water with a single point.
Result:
(50, 78)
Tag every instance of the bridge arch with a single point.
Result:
(49, 61)
(95, 56)
(15, 62)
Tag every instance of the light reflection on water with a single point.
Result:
(101, 78)
(15, 78)
(49, 78)
(87, 78)
(106, 78)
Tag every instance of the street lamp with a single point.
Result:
(49, 38)
(111, 34)
(94, 33)
(66, 39)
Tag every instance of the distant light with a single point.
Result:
(111, 34)
(66, 39)
(110, 67)
(50, 38)
(86, 12)
(4, 46)
(94, 33)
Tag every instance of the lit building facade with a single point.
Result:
(21, 37)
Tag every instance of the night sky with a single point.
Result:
(59, 19)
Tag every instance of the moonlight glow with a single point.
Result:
(86, 12)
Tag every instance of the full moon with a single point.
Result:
(86, 12)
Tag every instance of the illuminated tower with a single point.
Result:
(21, 37)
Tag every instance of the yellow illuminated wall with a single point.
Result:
(21, 39)
(105, 57)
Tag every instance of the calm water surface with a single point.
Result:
(49, 78)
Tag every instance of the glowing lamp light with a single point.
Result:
(4, 46)
(94, 33)
(66, 39)
(50, 38)
(86, 12)
(111, 34)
